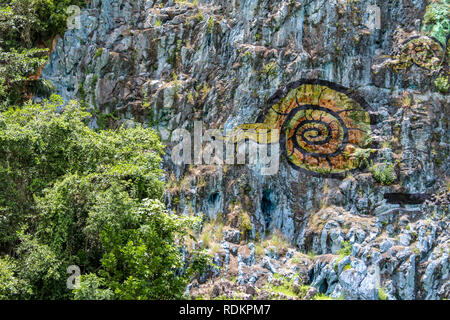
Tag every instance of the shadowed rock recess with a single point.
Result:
(377, 232)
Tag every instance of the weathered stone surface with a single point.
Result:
(164, 64)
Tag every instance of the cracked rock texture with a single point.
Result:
(166, 64)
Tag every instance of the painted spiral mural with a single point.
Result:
(423, 51)
(322, 125)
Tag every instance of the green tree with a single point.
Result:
(24, 23)
(24, 26)
(70, 195)
(11, 286)
(16, 68)
(142, 258)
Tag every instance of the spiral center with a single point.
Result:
(314, 133)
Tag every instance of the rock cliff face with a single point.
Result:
(377, 231)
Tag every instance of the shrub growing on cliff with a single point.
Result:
(382, 294)
(383, 173)
(25, 22)
(16, 67)
(346, 249)
(435, 20)
(269, 70)
(442, 84)
(361, 157)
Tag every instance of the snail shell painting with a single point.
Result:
(423, 51)
(321, 126)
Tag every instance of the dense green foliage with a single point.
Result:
(436, 21)
(73, 196)
(442, 84)
(383, 173)
(70, 195)
(24, 26)
(26, 22)
(15, 69)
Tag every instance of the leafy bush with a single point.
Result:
(70, 195)
(11, 287)
(435, 21)
(346, 249)
(442, 84)
(382, 294)
(383, 174)
(41, 269)
(25, 22)
(269, 70)
(16, 67)
(210, 25)
(92, 287)
(361, 157)
(245, 224)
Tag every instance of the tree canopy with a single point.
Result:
(70, 195)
